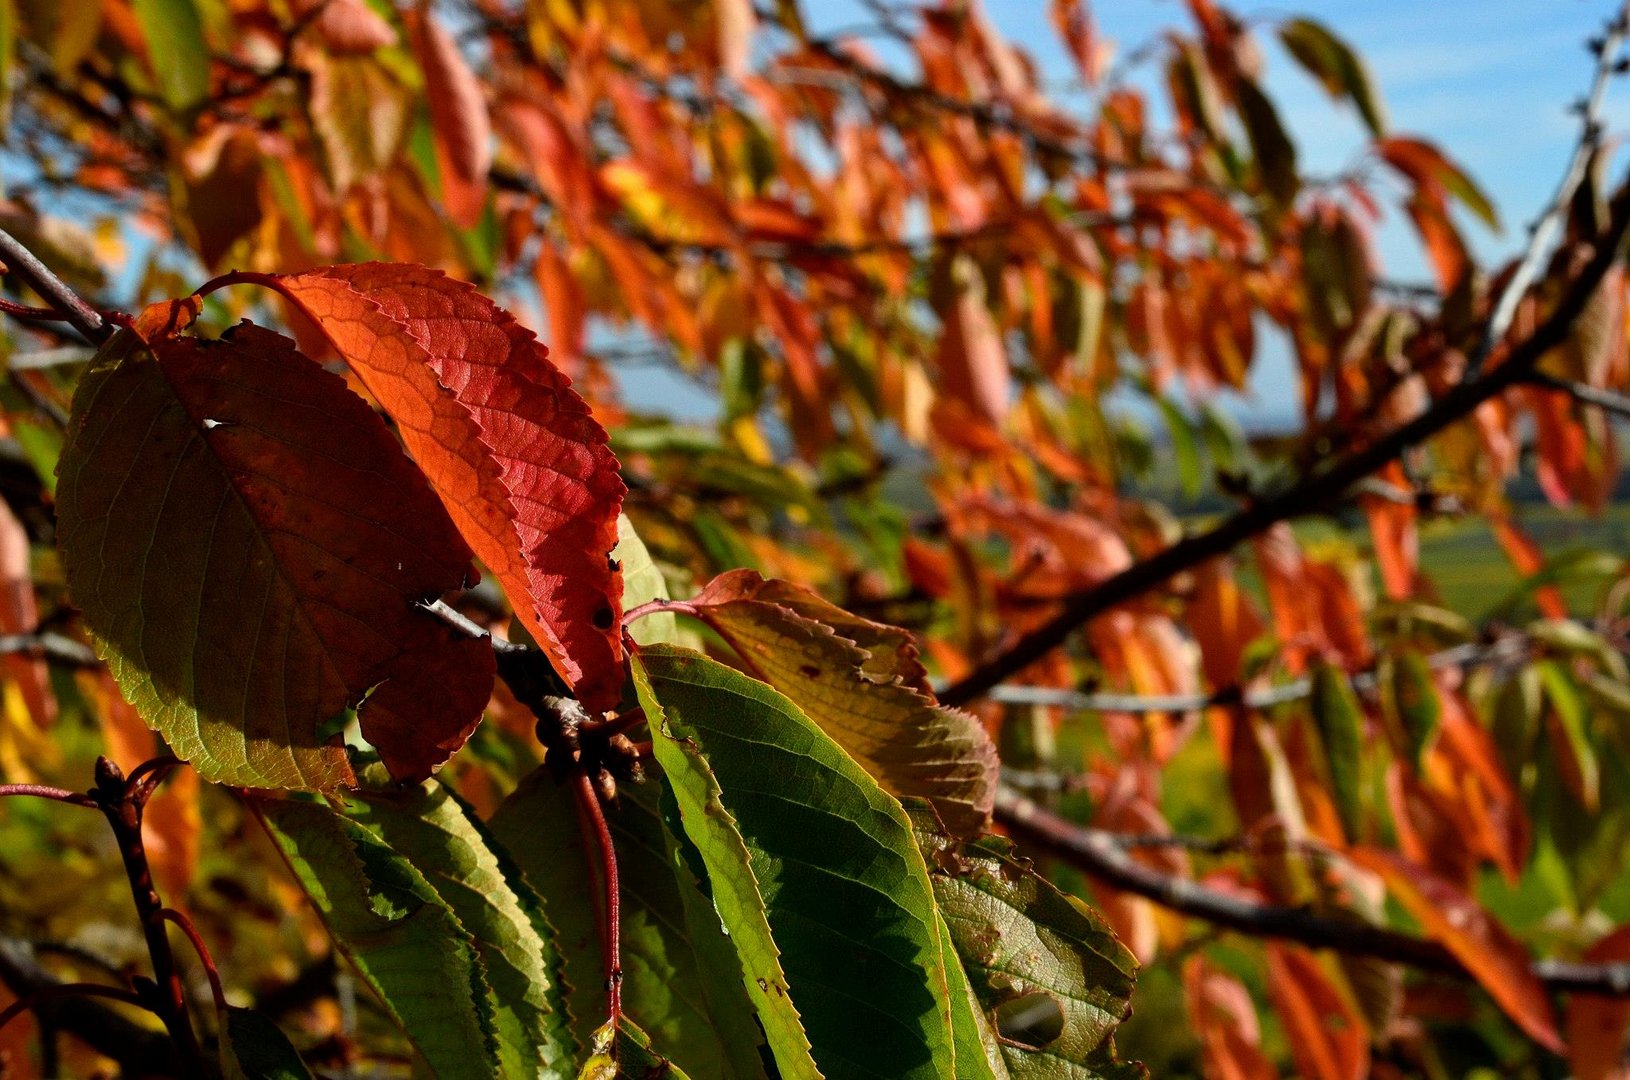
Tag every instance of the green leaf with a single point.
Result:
(861, 683)
(403, 940)
(1185, 448)
(635, 1057)
(1413, 693)
(1272, 149)
(176, 50)
(435, 831)
(254, 1048)
(1339, 721)
(1340, 70)
(680, 980)
(813, 869)
(1032, 952)
(1568, 707)
(978, 1049)
(642, 582)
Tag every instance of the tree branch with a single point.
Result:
(1469, 655)
(69, 304)
(1101, 856)
(1607, 49)
(1313, 490)
(1606, 400)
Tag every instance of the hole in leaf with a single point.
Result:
(603, 619)
(1034, 1019)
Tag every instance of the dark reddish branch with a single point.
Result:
(122, 802)
(30, 314)
(588, 805)
(63, 300)
(1103, 857)
(58, 991)
(185, 924)
(42, 791)
(1312, 491)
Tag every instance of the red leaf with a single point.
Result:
(1327, 1036)
(1498, 961)
(736, 22)
(972, 358)
(458, 119)
(1596, 1025)
(348, 26)
(510, 448)
(1223, 1016)
(1529, 560)
(249, 544)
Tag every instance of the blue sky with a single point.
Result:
(1489, 81)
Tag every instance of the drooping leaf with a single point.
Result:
(254, 1048)
(435, 831)
(1339, 721)
(1048, 975)
(19, 614)
(347, 27)
(1272, 149)
(642, 582)
(1340, 70)
(176, 50)
(1413, 694)
(1577, 751)
(208, 483)
(680, 979)
(813, 870)
(517, 459)
(973, 361)
(1431, 170)
(1497, 960)
(912, 746)
(458, 119)
(402, 939)
(359, 112)
(1596, 1025)
(1327, 1035)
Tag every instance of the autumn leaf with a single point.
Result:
(347, 26)
(1327, 1035)
(518, 461)
(1596, 1025)
(1497, 960)
(19, 614)
(458, 119)
(210, 483)
(972, 359)
(863, 690)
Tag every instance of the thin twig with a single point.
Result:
(1101, 856)
(42, 791)
(1364, 682)
(185, 923)
(30, 314)
(63, 990)
(469, 627)
(1590, 141)
(1606, 400)
(75, 311)
(1311, 492)
(54, 647)
(588, 803)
